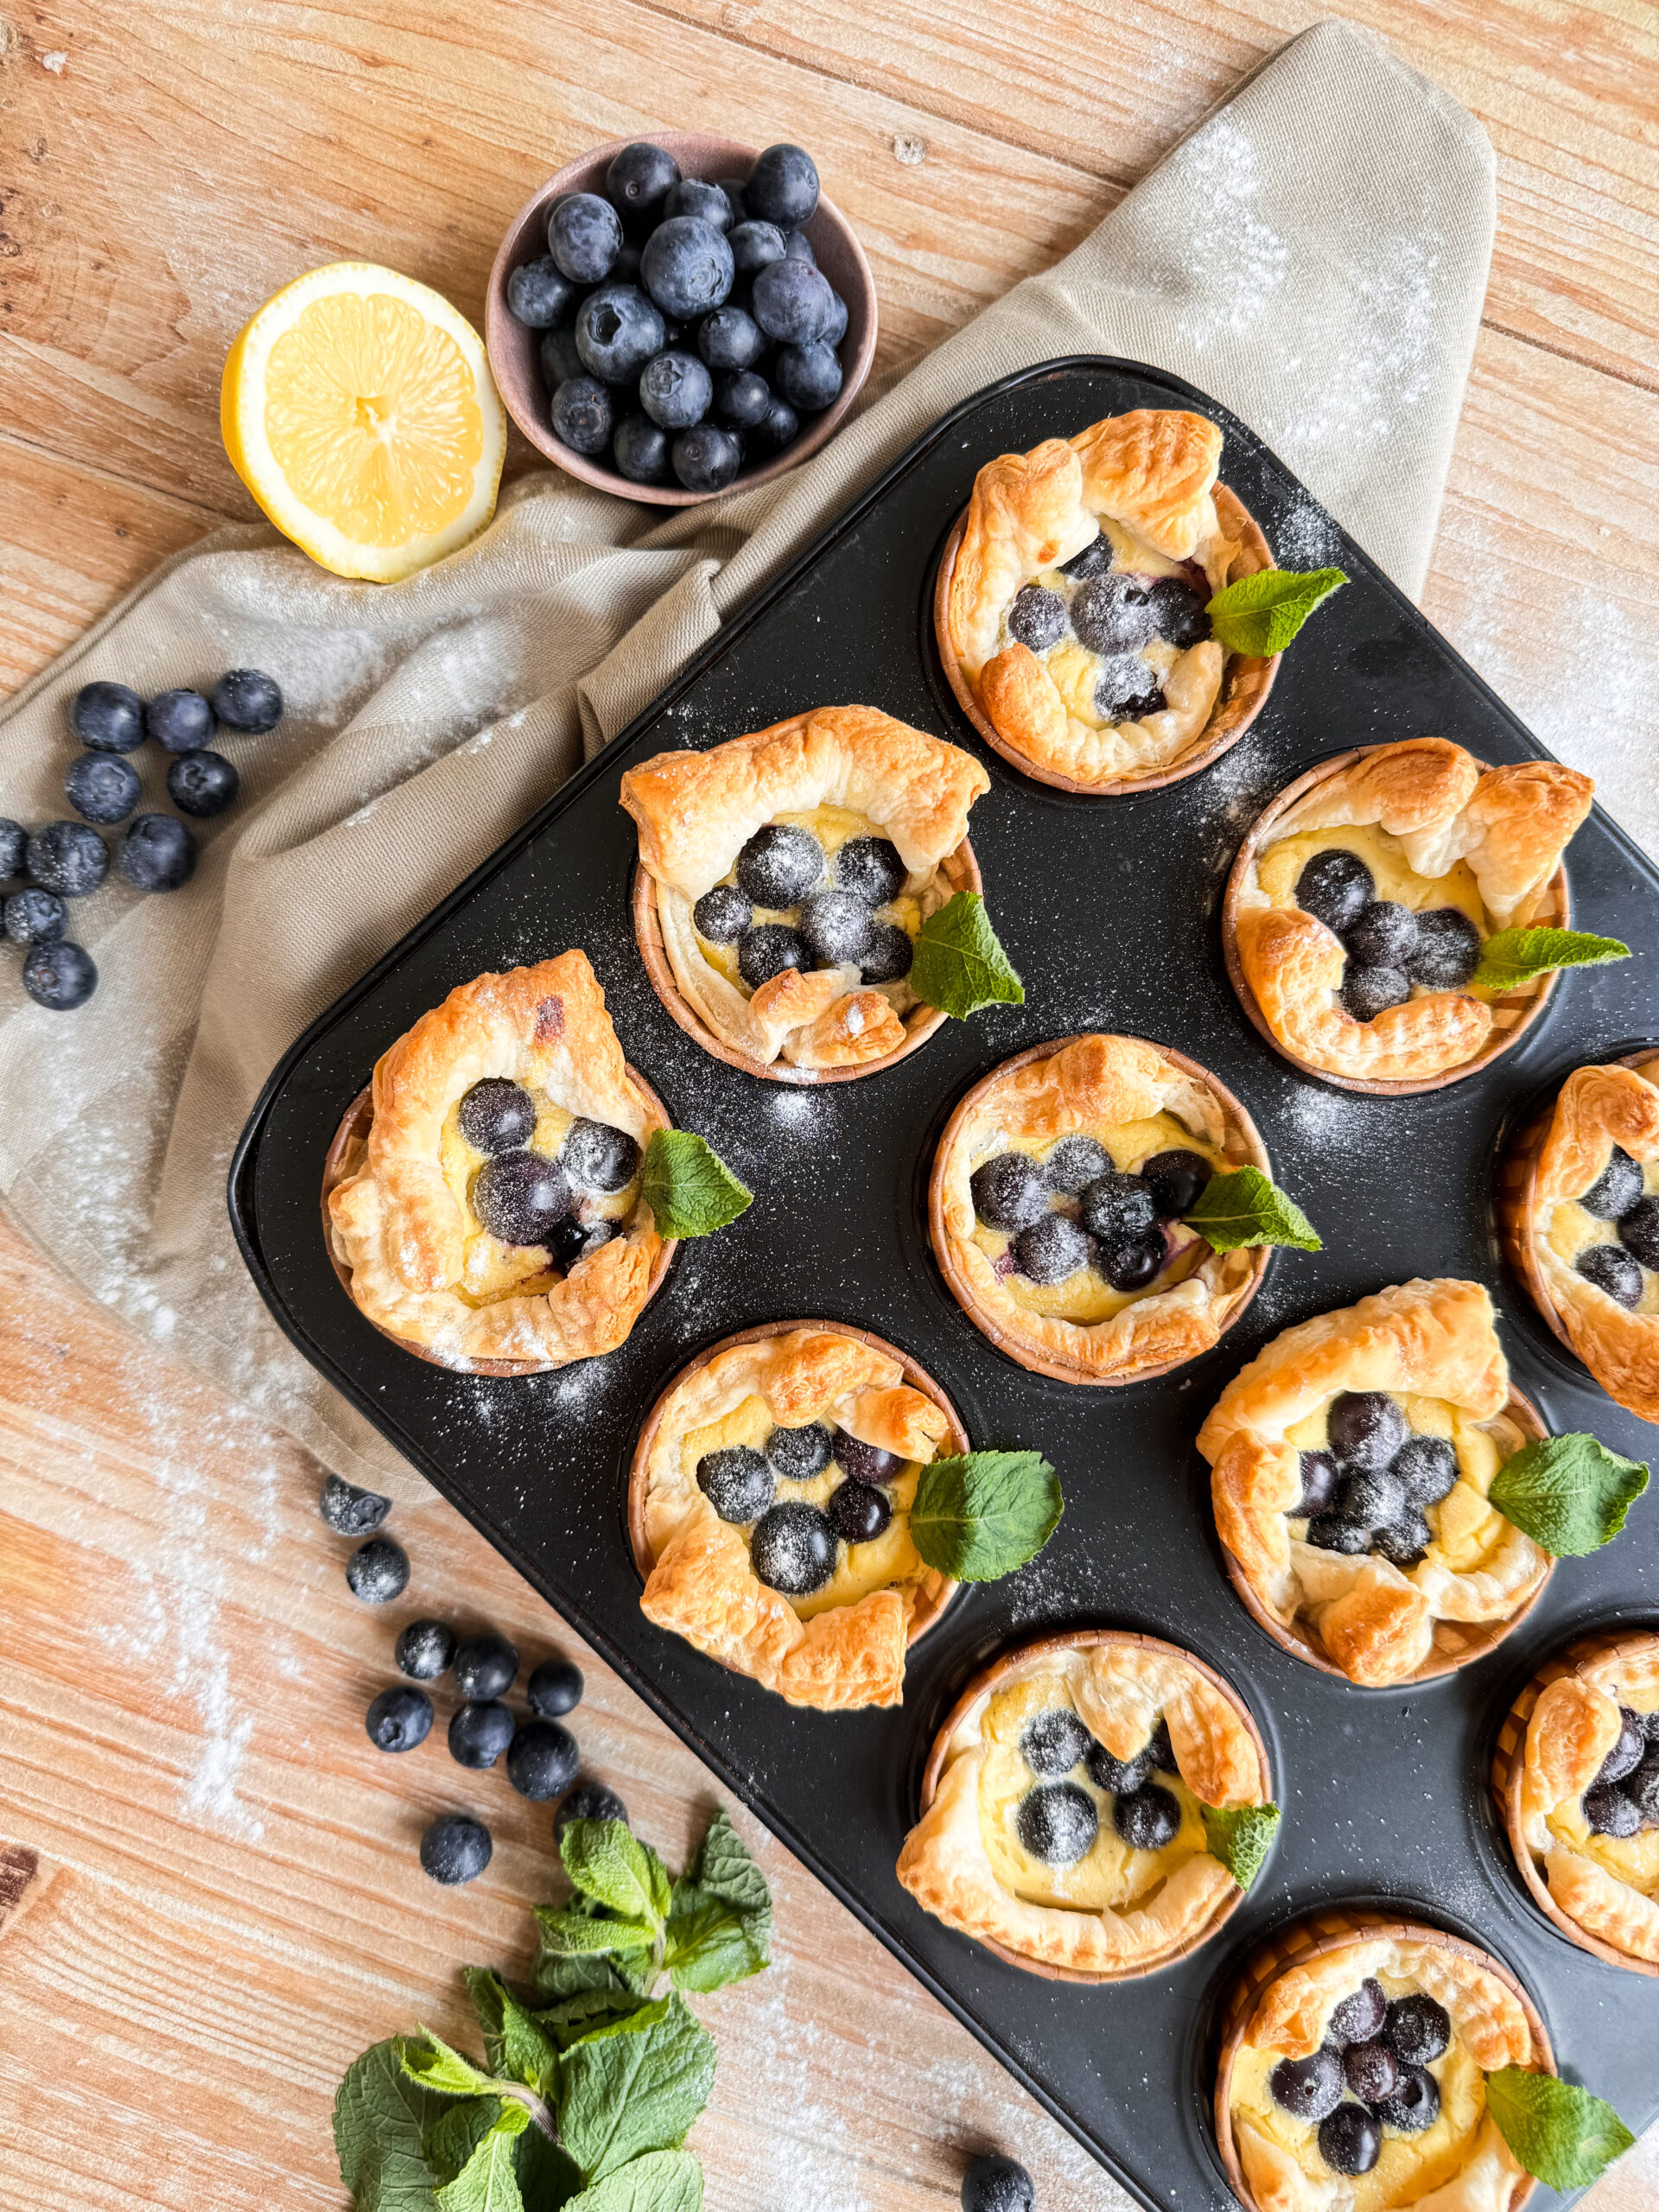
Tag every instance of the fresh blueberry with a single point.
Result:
(706, 458)
(1609, 1266)
(1628, 1750)
(779, 865)
(1116, 1206)
(108, 717)
(588, 1800)
(618, 332)
(179, 720)
(486, 1666)
(1074, 1162)
(1127, 690)
(1050, 1250)
(1638, 1231)
(639, 180)
(1318, 1478)
(1329, 1532)
(1112, 614)
(1095, 560)
(1426, 1468)
(639, 448)
(1053, 1742)
(560, 363)
(1350, 2142)
(1610, 1811)
(1131, 1262)
(378, 1571)
(102, 786)
(1121, 1777)
(838, 925)
(1616, 1189)
(1178, 613)
(864, 1463)
(993, 2183)
(598, 1158)
(742, 398)
(737, 1482)
(455, 1848)
(793, 1549)
(792, 304)
(35, 917)
(1149, 1818)
(425, 1650)
(554, 1688)
(1358, 2017)
(541, 1760)
(1037, 618)
(157, 854)
(781, 427)
(14, 844)
(754, 246)
(1177, 1180)
(1366, 992)
(731, 339)
(520, 1196)
(675, 390)
(1307, 2088)
(769, 950)
(1413, 2105)
(691, 196)
(1447, 951)
(584, 236)
(687, 267)
(68, 858)
(399, 1719)
(798, 247)
(247, 700)
(572, 1239)
(539, 294)
(1643, 1789)
(1370, 1500)
(1057, 1823)
(1404, 1541)
(201, 783)
(1383, 934)
(871, 869)
(1010, 1190)
(809, 376)
(889, 957)
(497, 1114)
(1160, 1750)
(59, 976)
(799, 1455)
(1335, 887)
(734, 189)
(782, 187)
(350, 1511)
(721, 915)
(479, 1733)
(1417, 2029)
(858, 1514)
(584, 414)
(835, 329)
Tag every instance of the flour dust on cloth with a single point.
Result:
(1315, 253)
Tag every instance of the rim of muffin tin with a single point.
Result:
(1337, 1928)
(960, 870)
(1239, 1124)
(514, 350)
(987, 1679)
(1457, 1643)
(1513, 1013)
(354, 1126)
(1509, 1772)
(1247, 679)
(927, 1611)
(1515, 1199)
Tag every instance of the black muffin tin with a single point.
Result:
(1108, 910)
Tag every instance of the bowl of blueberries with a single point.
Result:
(668, 318)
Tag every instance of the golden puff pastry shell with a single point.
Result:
(1292, 2013)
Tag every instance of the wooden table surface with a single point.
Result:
(208, 1889)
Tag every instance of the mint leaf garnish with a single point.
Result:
(427, 2058)
(1570, 1493)
(663, 2181)
(719, 1914)
(689, 1187)
(979, 1517)
(606, 1861)
(381, 2115)
(958, 963)
(515, 2044)
(1243, 1207)
(489, 2180)
(1517, 956)
(1260, 614)
(635, 2087)
(566, 2019)
(1241, 1837)
(1560, 2134)
(584, 1951)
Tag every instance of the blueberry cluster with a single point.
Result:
(792, 1545)
(687, 324)
(1624, 1795)
(1369, 1491)
(1116, 613)
(1057, 1820)
(1389, 947)
(1370, 2073)
(1076, 1210)
(69, 860)
(522, 1197)
(1617, 1196)
(822, 917)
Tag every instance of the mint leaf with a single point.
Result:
(958, 963)
(570, 2017)
(1243, 1207)
(514, 2042)
(1560, 2134)
(1260, 614)
(1570, 1493)
(1241, 1837)
(489, 2180)
(689, 1187)
(635, 2087)
(981, 1516)
(719, 1914)
(663, 2181)
(547, 2178)
(427, 2058)
(381, 2115)
(1515, 957)
(456, 2133)
(606, 1860)
(582, 1952)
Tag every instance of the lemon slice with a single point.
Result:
(358, 409)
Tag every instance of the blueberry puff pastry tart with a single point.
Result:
(1350, 1464)
(493, 1212)
(784, 877)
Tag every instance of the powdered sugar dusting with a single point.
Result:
(1223, 169)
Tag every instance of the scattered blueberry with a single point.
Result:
(783, 186)
(1365, 1429)
(350, 1511)
(560, 362)
(779, 865)
(598, 1158)
(618, 332)
(858, 1514)
(1329, 1532)
(769, 950)
(68, 858)
(781, 427)
(539, 293)
(14, 844)
(157, 854)
(1609, 1266)
(792, 304)
(721, 915)
(754, 246)
(1447, 951)
(180, 720)
(486, 1666)
(690, 196)
(1112, 614)
(1178, 613)
(1050, 1250)
(520, 1197)
(479, 1733)
(1417, 2029)
(1383, 934)
(835, 329)
(1358, 2017)
(200, 784)
(1638, 1231)
(497, 1114)
(59, 976)
(1426, 1468)
(1121, 1777)
(1054, 1742)
(1037, 618)
(1116, 1206)
(584, 236)
(1177, 1180)
(1318, 1474)
(798, 247)
(639, 179)
(865, 1463)
(541, 1760)
(793, 1549)
(737, 1482)
(108, 718)
(247, 700)
(838, 926)
(554, 1688)
(455, 1848)
(399, 1719)
(1074, 1162)
(35, 917)
(889, 956)
(1057, 1823)
(1095, 560)
(424, 1650)
(706, 458)
(378, 1571)
(742, 398)
(993, 2183)
(1350, 2142)
(583, 415)
(588, 1800)
(809, 376)
(1414, 2104)
(1149, 1818)
(1616, 1189)
(1334, 887)
(688, 266)
(799, 1455)
(1610, 1811)
(641, 450)
(1010, 1190)
(1307, 2087)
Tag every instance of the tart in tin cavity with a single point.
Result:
(768, 1505)
(1465, 851)
(1038, 1125)
(1350, 1462)
(1060, 1821)
(1070, 605)
(1575, 1779)
(783, 878)
(1434, 2143)
(1578, 1200)
(507, 1109)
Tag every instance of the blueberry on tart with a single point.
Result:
(489, 1211)
(769, 1510)
(784, 879)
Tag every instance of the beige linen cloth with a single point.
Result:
(1314, 254)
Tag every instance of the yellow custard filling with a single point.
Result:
(889, 1561)
(1466, 1531)
(1280, 867)
(1573, 1231)
(491, 1270)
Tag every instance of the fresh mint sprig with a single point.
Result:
(1558, 2132)
(689, 1187)
(1243, 1207)
(957, 963)
(1260, 614)
(1570, 1494)
(1515, 957)
(981, 1516)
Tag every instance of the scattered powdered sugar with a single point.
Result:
(1304, 536)
(1389, 361)
(1220, 165)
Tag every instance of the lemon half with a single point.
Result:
(358, 409)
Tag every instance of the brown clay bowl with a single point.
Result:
(1336, 1930)
(1244, 687)
(1512, 1016)
(987, 1678)
(515, 353)
(928, 1610)
(1457, 1643)
(1509, 1772)
(1245, 1148)
(961, 871)
(345, 1156)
